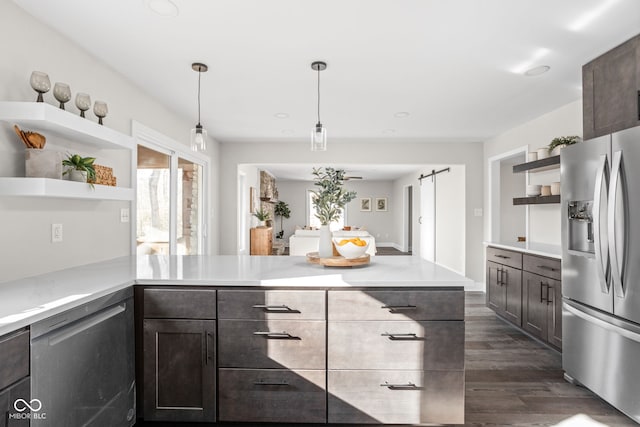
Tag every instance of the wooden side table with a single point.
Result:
(261, 241)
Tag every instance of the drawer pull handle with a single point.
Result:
(407, 386)
(278, 308)
(278, 383)
(276, 335)
(393, 308)
(409, 336)
(545, 267)
(501, 256)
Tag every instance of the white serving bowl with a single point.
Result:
(350, 250)
(533, 190)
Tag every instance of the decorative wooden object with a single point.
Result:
(104, 176)
(261, 241)
(338, 261)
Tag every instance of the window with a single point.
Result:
(313, 221)
(170, 202)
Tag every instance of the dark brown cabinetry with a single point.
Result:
(504, 283)
(179, 355)
(542, 299)
(527, 292)
(14, 377)
(395, 357)
(611, 90)
(272, 349)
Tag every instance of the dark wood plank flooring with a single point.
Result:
(513, 380)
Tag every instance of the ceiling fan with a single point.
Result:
(349, 177)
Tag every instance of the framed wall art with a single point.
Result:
(381, 204)
(365, 204)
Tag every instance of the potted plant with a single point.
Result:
(79, 168)
(262, 216)
(329, 201)
(282, 210)
(562, 141)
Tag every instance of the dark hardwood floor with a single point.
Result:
(513, 380)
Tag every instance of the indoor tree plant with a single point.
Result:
(329, 201)
(79, 168)
(282, 210)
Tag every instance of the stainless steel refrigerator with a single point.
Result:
(600, 193)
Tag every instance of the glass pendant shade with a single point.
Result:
(198, 138)
(319, 138)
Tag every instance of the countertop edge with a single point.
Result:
(516, 248)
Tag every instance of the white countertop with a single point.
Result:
(26, 301)
(533, 248)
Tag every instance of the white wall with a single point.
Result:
(544, 220)
(92, 230)
(360, 152)
(513, 221)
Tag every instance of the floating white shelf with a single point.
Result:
(58, 188)
(49, 120)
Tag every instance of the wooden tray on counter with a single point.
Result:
(338, 261)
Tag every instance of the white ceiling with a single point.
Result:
(449, 63)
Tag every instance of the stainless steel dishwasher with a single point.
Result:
(82, 364)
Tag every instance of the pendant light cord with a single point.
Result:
(199, 75)
(318, 94)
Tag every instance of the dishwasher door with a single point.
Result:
(82, 365)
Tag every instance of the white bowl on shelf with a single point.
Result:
(350, 250)
(533, 190)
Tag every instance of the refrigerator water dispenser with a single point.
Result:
(581, 226)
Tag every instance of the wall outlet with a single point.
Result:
(124, 215)
(56, 233)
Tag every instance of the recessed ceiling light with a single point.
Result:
(287, 131)
(281, 115)
(388, 131)
(536, 71)
(401, 114)
(535, 58)
(163, 7)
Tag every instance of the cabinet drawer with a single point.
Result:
(14, 357)
(272, 344)
(396, 305)
(370, 397)
(273, 395)
(20, 390)
(180, 303)
(258, 305)
(502, 256)
(547, 267)
(396, 345)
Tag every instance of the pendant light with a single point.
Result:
(199, 134)
(319, 133)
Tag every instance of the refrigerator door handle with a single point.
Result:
(617, 259)
(600, 244)
(605, 325)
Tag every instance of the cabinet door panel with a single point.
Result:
(534, 310)
(271, 304)
(512, 280)
(171, 303)
(554, 311)
(396, 305)
(495, 290)
(362, 397)
(396, 345)
(295, 344)
(179, 370)
(610, 90)
(14, 357)
(273, 395)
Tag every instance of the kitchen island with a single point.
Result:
(275, 339)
